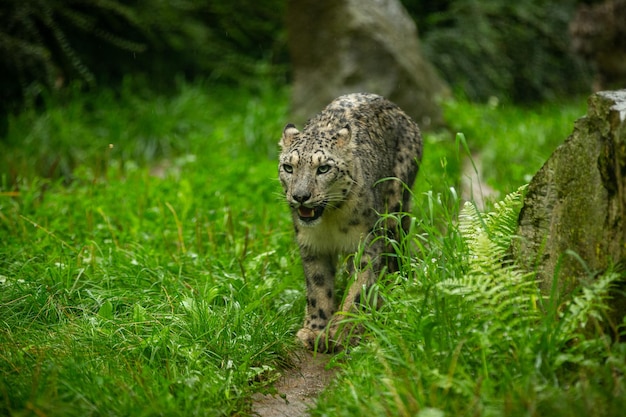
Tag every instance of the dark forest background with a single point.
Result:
(514, 50)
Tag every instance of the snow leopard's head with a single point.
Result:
(316, 170)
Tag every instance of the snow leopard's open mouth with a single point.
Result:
(309, 214)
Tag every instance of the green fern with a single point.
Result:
(491, 282)
(579, 336)
(590, 303)
(500, 302)
(498, 226)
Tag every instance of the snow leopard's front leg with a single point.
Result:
(319, 270)
(365, 271)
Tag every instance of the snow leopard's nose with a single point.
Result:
(301, 197)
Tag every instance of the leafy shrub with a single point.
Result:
(517, 49)
(46, 44)
(42, 41)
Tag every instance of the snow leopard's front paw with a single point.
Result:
(318, 340)
(336, 337)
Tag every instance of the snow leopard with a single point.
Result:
(354, 161)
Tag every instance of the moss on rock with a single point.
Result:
(572, 225)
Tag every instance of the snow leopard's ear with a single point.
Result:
(343, 136)
(288, 133)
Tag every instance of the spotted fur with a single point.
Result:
(350, 163)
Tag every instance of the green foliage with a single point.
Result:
(159, 275)
(494, 48)
(153, 281)
(512, 142)
(518, 50)
(128, 128)
(46, 45)
(38, 41)
(464, 332)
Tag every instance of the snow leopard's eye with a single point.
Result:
(288, 168)
(323, 169)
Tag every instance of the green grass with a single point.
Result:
(125, 293)
(147, 267)
(513, 142)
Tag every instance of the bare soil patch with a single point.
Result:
(297, 389)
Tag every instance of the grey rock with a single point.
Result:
(345, 46)
(575, 205)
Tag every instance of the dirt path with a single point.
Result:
(297, 388)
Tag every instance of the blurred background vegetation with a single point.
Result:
(510, 49)
(515, 50)
(46, 45)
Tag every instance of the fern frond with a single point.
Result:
(592, 302)
(500, 225)
(499, 299)
(492, 288)
(488, 236)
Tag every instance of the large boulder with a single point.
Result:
(344, 46)
(573, 224)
